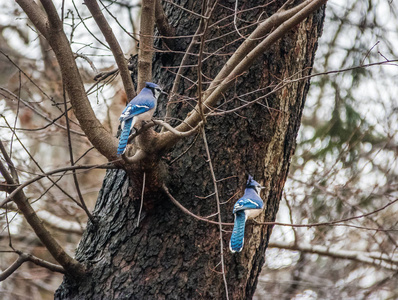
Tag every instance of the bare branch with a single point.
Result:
(146, 43)
(255, 223)
(121, 61)
(187, 211)
(11, 269)
(35, 14)
(71, 265)
(374, 259)
(259, 33)
(8, 94)
(60, 170)
(52, 29)
(24, 257)
(176, 132)
(142, 199)
(166, 126)
(42, 263)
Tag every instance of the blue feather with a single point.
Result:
(124, 137)
(247, 203)
(238, 233)
(247, 207)
(143, 104)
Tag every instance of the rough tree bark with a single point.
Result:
(171, 255)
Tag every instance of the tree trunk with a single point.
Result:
(171, 255)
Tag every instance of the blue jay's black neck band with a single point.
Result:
(251, 187)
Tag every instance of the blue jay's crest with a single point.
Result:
(140, 109)
(151, 85)
(251, 182)
(156, 90)
(249, 206)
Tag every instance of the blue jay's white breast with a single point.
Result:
(252, 213)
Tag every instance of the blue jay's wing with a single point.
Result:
(124, 136)
(238, 233)
(246, 203)
(133, 110)
(143, 102)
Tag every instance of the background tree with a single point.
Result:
(260, 132)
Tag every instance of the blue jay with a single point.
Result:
(141, 108)
(249, 206)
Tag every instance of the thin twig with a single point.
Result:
(47, 174)
(142, 199)
(186, 150)
(174, 89)
(40, 168)
(218, 211)
(117, 21)
(71, 265)
(331, 223)
(79, 193)
(10, 94)
(378, 260)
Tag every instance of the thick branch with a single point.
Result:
(52, 29)
(166, 126)
(24, 257)
(146, 43)
(165, 29)
(176, 132)
(36, 15)
(137, 157)
(11, 269)
(121, 61)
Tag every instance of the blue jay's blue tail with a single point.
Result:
(124, 136)
(238, 234)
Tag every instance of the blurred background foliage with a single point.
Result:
(345, 165)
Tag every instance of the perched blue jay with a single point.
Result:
(141, 108)
(249, 206)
